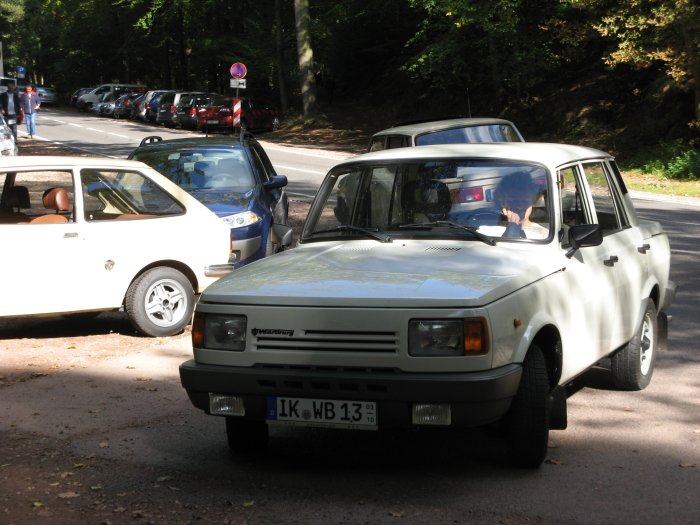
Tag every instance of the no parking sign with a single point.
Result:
(238, 70)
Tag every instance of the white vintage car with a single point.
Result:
(93, 234)
(406, 305)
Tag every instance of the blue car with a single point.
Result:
(233, 178)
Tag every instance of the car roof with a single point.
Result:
(540, 152)
(194, 142)
(42, 161)
(415, 128)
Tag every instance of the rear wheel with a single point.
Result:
(528, 418)
(246, 437)
(633, 366)
(160, 302)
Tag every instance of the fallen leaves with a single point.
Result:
(68, 495)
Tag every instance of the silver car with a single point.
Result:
(448, 131)
(48, 95)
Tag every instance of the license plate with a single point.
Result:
(322, 412)
(11, 121)
(213, 122)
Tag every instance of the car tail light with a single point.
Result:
(193, 112)
(473, 194)
(173, 109)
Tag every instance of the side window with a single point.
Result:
(262, 162)
(396, 141)
(116, 195)
(608, 211)
(37, 197)
(573, 205)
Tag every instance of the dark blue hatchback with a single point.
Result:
(233, 178)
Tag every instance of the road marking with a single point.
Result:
(95, 130)
(75, 125)
(297, 151)
(281, 167)
(118, 135)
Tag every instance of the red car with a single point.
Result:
(218, 115)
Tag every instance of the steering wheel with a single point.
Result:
(485, 217)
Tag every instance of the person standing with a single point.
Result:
(10, 104)
(30, 105)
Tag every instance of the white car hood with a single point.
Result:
(401, 274)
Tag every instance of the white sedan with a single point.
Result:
(407, 305)
(92, 234)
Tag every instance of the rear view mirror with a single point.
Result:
(582, 236)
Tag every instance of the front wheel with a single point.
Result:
(160, 302)
(528, 418)
(633, 365)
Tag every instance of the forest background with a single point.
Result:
(621, 75)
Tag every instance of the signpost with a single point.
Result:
(238, 73)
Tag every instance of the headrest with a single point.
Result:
(55, 199)
(17, 197)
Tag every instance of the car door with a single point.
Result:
(622, 248)
(130, 222)
(591, 302)
(43, 263)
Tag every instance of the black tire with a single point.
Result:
(160, 302)
(633, 365)
(246, 437)
(528, 419)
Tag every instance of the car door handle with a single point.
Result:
(644, 248)
(70, 235)
(611, 261)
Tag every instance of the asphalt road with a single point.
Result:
(113, 439)
(305, 168)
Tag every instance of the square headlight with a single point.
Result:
(447, 337)
(219, 332)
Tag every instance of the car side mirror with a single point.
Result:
(582, 236)
(276, 182)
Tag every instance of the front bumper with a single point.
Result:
(476, 398)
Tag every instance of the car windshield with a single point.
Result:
(470, 134)
(455, 198)
(200, 169)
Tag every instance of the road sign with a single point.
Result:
(238, 70)
(237, 113)
(20, 72)
(238, 83)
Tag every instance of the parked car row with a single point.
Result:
(197, 110)
(47, 95)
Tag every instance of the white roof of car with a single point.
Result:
(436, 125)
(41, 161)
(545, 153)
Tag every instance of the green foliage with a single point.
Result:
(675, 160)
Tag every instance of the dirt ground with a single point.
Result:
(39, 481)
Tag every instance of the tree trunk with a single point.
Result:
(306, 56)
(279, 42)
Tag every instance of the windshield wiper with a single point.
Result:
(367, 232)
(449, 224)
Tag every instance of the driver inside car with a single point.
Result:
(515, 196)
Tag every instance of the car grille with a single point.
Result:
(329, 341)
